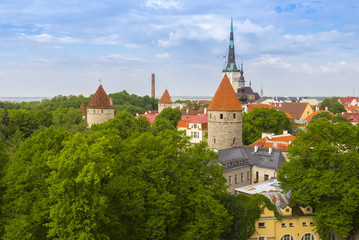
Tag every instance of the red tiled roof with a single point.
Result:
(278, 141)
(83, 109)
(200, 118)
(309, 118)
(253, 106)
(182, 124)
(225, 99)
(347, 100)
(150, 115)
(166, 98)
(100, 100)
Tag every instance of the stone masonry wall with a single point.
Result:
(97, 116)
(224, 129)
(162, 106)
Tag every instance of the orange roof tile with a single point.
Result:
(309, 118)
(225, 99)
(166, 98)
(182, 124)
(253, 106)
(100, 100)
(288, 115)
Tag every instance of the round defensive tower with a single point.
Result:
(224, 118)
(100, 108)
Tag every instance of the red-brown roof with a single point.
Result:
(225, 99)
(83, 109)
(295, 109)
(100, 100)
(166, 98)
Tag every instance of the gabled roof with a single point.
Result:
(100, 100)
(200, 118)
(295, 109)
(274, 141)
(247, 155)
(309, 118)
(225, 99)
(347, 100)
(166, 98)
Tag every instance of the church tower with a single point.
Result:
(224, 118)
(231, 70)
(100, 108)
(164, 102)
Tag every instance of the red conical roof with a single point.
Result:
(100, 100)
(225, 99)
(166, 98)
(83, 109)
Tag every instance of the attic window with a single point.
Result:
(308, 209)
(287, 210)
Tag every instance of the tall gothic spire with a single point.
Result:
(231, 62)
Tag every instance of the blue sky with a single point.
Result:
(303, 48)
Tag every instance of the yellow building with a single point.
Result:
(297, 223)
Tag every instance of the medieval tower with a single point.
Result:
(224, 118)
(100, 108)
(233, 73)
(164, 102)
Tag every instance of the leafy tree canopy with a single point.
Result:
(334, 119)
(261, 120)
(173, 115)
(323, 172)
(333, 105)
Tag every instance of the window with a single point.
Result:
(101, 111)
(214, 140)
(287, 237)
(311, 223)
(247, 175)
(234, 116)
(195, 134)
(266, 177)
(262, 238)
(308, 209)
(291, 224)
(221, 116)
(241, 177)
(287, 210)
(210, 115)
(262, 211)
(305, 224)
(195, 126)
(230, 180)
(257, 176)
(284, 225)
(261, 224)
(234, 140)
(308, 236)
(235, 179)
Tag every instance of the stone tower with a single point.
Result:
(233, 73)
(165, 101)
(100, 108)
(224, 118)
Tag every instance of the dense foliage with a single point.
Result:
(323, 172)
(334, 119)
(333, 105)
(122, 179)
(261, 120)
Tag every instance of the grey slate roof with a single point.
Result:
(244, 156)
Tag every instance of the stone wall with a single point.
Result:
(97, 116)
(162, 106)
(224, 129)
(237, 177)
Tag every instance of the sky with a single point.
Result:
(288, 48)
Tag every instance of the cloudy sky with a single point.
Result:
(303, 48)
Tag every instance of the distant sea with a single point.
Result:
(174, 98)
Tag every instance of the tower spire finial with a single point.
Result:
(231, 63)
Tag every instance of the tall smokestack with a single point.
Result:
(153, 85)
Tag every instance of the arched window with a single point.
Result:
(308, 236)
(287, 237)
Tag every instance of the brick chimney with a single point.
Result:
(153, 85)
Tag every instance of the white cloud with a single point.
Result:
(121, 58)
(165, 4)
(163, 55)
(47, 38)
(274, 61)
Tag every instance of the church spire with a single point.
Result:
(231, 62)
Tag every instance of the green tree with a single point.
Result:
(323, 172)
(22, 120)
(333, 105)
(26, 201)
(173, 115)
(261, 120)
(5, 119)
(334, 119)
